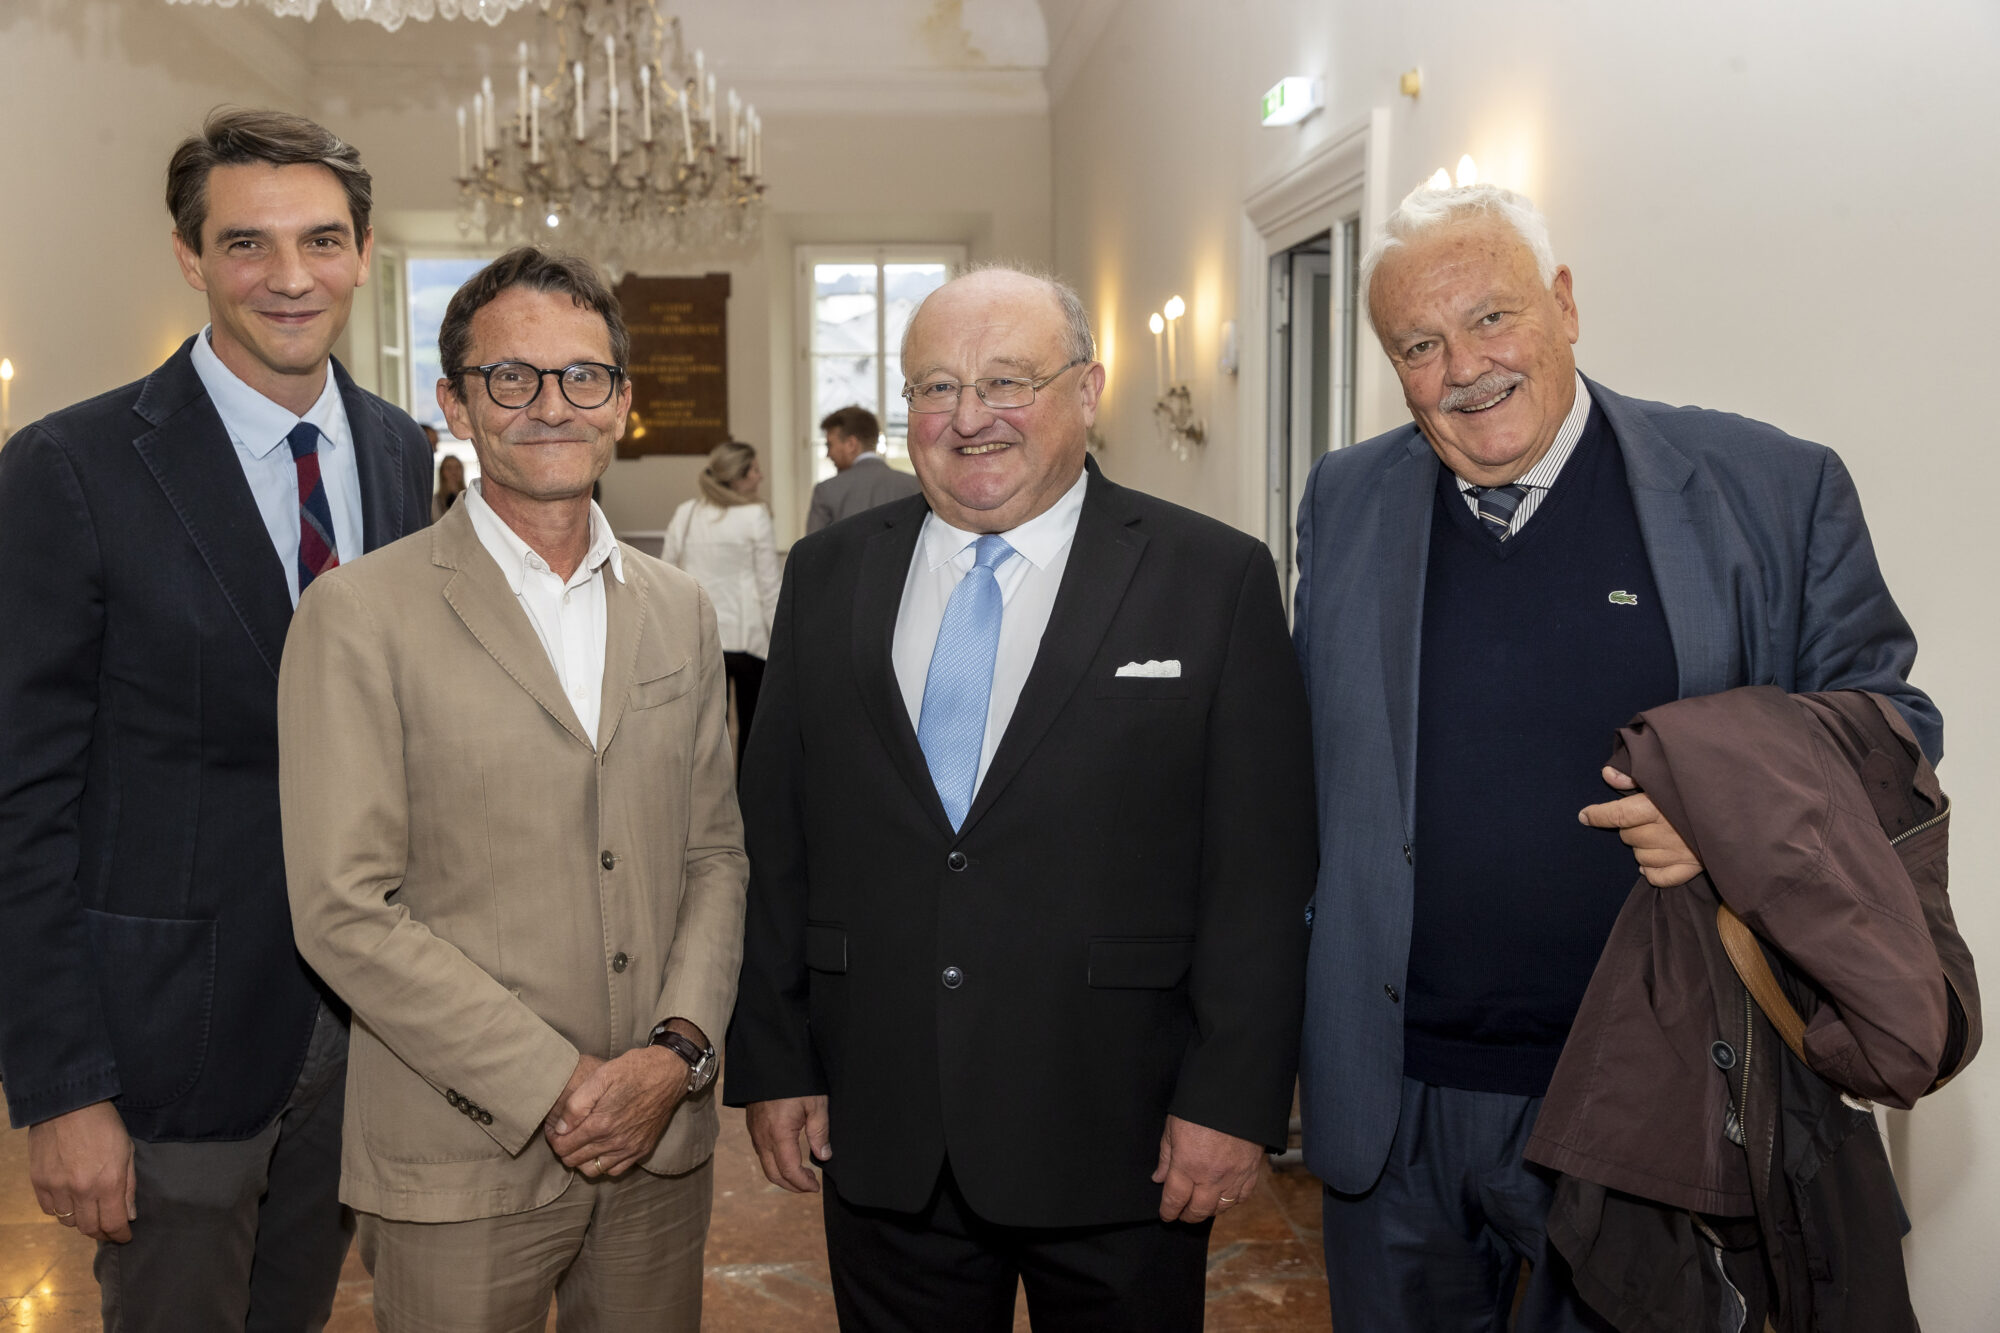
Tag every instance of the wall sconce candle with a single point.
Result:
(6, 399)
(1174, 408)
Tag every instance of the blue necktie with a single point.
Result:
(959, 686)
(317, 551)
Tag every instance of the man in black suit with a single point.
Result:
(1030, 829)
(178, 1066)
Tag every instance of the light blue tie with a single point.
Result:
(952, 726)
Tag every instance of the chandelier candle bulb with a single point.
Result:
(646, 103)
(492, 121)
(461, 143)
(535, 126)
(577, 69)
(714, 121)
(687, 134)
(521, 97)
(614, 124)
(479, 126)
(611, 75)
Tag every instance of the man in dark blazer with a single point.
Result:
(862, 478)
(178, 1066)
(1484, 597)
(1029, 830)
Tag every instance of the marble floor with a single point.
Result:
(766, 1258)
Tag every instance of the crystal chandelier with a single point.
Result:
(391, 14)
(614, 145)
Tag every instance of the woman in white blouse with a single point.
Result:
(725, 541)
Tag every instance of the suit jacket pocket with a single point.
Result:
(826, 947)
(1141, 687)
(1155, 963)
(158, 984)
(664, 688)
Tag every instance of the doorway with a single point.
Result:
(1311, 340)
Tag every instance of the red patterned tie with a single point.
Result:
(317, 552)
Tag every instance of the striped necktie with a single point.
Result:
(958, 689)
(1497, 505)
(317, 552)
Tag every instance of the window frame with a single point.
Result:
(805, 259)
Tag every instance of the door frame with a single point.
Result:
(1341, 177)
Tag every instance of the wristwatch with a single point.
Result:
(701, 1060)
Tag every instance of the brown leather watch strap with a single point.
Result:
(1747, 956)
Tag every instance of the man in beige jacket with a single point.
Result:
(513, 847)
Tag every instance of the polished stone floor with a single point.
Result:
(766, 1259)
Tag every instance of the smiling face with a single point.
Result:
(989, 469)
(279, 262)
(549, 451)
(1481, 346)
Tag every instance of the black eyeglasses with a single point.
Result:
(1003, 391)
(586, 384)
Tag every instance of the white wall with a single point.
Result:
(1782, 209)
(94, 95)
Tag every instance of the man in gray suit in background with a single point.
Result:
(1483, 597)
(863, 478)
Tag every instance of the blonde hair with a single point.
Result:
(727, 462)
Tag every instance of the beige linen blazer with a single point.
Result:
(491, 893)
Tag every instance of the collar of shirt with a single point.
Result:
(867, 454)
(517, 559)
(1543, 474)
(256, 425)
(1039, 540)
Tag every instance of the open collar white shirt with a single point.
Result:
(569, 617)
(1028, 583)
(257, 429)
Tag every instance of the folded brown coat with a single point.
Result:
(1790, 802)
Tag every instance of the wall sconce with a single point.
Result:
(1468, 174)
(1174, 408)
(6, 399)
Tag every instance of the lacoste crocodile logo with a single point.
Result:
(1623, 598)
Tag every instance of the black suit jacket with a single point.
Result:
(142, 881)
(1124, 904)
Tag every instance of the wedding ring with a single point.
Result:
(598, 1162)
(1225, 1199)
(63, 1217)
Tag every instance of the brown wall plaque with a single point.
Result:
(680, 364)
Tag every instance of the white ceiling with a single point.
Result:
(785, 55)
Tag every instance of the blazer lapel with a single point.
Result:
(190, 456)
(1404, 519)
(478, 592)
(379, 461)
(885, 568)
(625, 608)
(1103, 556)
(1676, 518)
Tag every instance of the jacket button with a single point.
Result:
(953, 978)
(607, 860)
(618, 963)
(957, 861)
(485, 1117)
(451, 1095)
(1389, 989)
(1723, 1054)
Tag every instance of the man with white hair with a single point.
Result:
(1484, 596)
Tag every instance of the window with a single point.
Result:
(431, 283)
(857, 302)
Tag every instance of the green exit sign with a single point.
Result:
(1291, 100)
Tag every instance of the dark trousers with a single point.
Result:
(246, 1236)
(947, 1268)
(746, 673)
(1437, 1245)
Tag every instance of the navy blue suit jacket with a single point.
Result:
(142, 879)
(1766, 575)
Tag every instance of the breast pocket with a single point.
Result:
(1141, 687)
(664, 688)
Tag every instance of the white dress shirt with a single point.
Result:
(1542, 476)
(1028, 582)
(569, 617)
(257, 428)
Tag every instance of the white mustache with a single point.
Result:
(1482, 390)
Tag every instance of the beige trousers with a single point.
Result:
(615, 1255)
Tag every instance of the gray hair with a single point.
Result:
(1427, 208)
(1078, 342)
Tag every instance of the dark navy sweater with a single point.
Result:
(1534, 652)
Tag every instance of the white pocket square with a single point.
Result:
(1170, 667)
